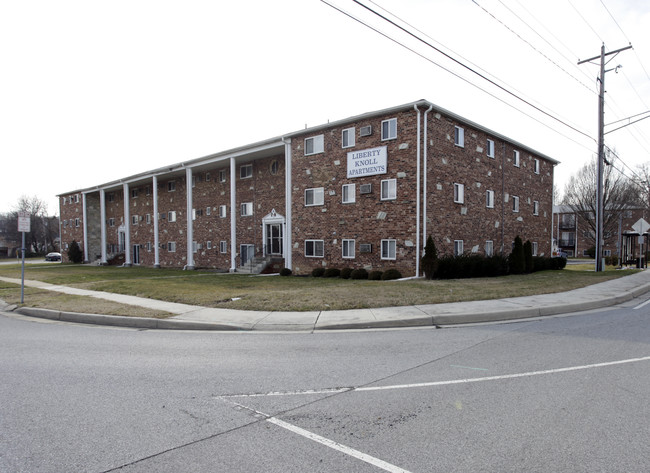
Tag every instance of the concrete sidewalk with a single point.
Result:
(190, 317)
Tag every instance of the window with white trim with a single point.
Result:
(134, 193)
(223, 247)
(536, 166)
(535, 207)
(490, 149)
(347, 138)
(389, 249)
(208, 245)
(195, 247)
(245, 171)
(193, 214)
(489, 248)
(246, 209)
(148, 247)
(171, 186)
(515, 158)
(171, 246)
(348, 249)
(76, 222)
(534, 248)
(314, 145)
(458, 247)
(489, 199)
(193, 181)
(208, 210)
(314, 248)
(315, 196)
(389, 129)
(515, 203)
(348, 194)
(389, 189)
(171, 216)
(134, 219)
(111, 222)
(459, 136)
(207, 177)
(222, 211)
(223, 175)
(459, 193)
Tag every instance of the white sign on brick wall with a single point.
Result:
(367, 162)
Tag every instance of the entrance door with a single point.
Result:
(274, 239)
(136, 254)
(246, 253)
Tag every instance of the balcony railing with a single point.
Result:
(570, 242)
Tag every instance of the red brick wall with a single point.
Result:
(71, 211)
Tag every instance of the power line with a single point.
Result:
(586, 22)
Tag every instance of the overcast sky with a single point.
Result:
(94, 91)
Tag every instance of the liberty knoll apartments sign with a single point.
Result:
(367, 162)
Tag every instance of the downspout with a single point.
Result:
(426, 175)
(503, 203)
(417, 198)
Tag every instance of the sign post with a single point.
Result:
(24, 226)
(641, 227)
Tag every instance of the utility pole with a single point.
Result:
(600, 208)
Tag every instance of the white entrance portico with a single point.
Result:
(273, 229)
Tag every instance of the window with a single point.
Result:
(111, 222)
(134, 193)
(223, 175)
(171, 216)
(193, 214)
(348, 249)
(515, 203)
(275, 167)
(489, 199)
(534, 248)
(536, 168)
(348, 194)
(171, 186)
(389, 189)
(76, 198)
(193, 181)
(535, 207)
(347, 138)
(76, 222)
(147, 190)
(490, 149)
(222, 211)
(459, 136)
(207, 177)
(458, 247)
(171, 246)
(148, 219)
(246, 171)
(246, 209)
(314, 145)
(134, 219)
(459, 193)
(195, 247)
(208, 245)
(314, 248)
(208, 210)
(605, 252)
(110, 197)
(389, 129)
(515, 158)
(489, 248)
(388, 249)
(223, 247)
(314, 196)
(148, 246)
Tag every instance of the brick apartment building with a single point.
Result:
(365, 191)
(573, 234)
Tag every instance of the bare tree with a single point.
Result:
(44, 229)
(642, 179)
(619, 194)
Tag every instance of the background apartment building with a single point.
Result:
(361, 192)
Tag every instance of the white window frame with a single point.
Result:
(223, 247)
(171, 216)
(171, 247)
(389, 129)
(459, 136)
(459, 247)
(223, 211)
(489, 248)
(147, 219)
(348, 138)
(171, 186)
(134, 193)
(134, 219)
(208, 210)
(348, 193)
(490, 149)
(148, 246)
(459, 193)
(314, 145)
(246, 209)
(76, 222)
(536, 166)
(208, 245)
(489, 199)
(207, 177)
(317, 195)
(515, 203)
(516, 158)
(245, 171)
(193, 214)
(348, 249)
(389, 249)
(314, 248)
(535, 207)
(389, 189)
(535, 248)
(111, 222)
(223, 175)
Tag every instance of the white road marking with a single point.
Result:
(642, 305)
(291, 393)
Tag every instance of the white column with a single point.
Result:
(233, 216)
(127, 225)
(288, 245)
(156, 238)
(418, 197)
(84, 203)
(190, 227)
(102, 216)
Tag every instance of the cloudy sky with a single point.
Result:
(94, 91)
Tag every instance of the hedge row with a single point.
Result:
(349, 273)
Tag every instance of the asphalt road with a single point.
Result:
(564, 394)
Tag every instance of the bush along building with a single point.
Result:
(363, 192)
